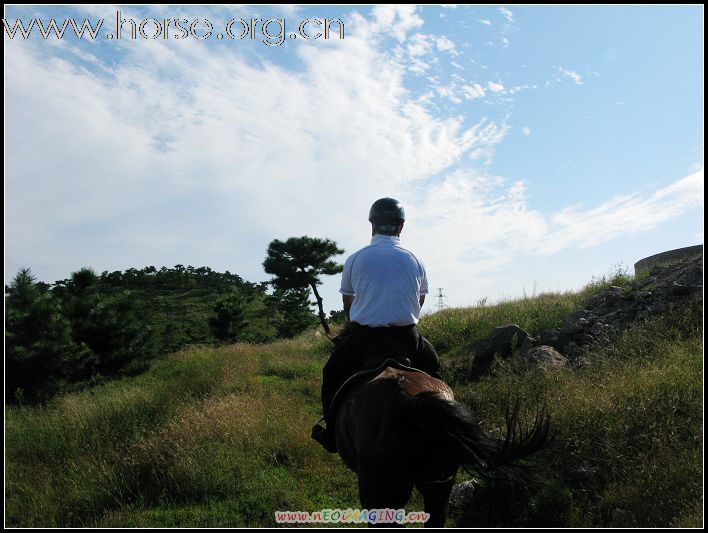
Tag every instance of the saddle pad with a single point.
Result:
(361, 376)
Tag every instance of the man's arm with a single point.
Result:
(347, 300)
(422, 299)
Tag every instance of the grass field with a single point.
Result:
(220, 436)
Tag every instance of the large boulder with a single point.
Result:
(503, 341)
(544, 357)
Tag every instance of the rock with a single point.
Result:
(660, 307)
(572, 349)
(613, 295)
(585, 338)
(608, 297)
(504, 341)
(508, 339)
(583, 313)
(574, 327)
(597, 328)
(482, 350)
(544, 357)
(530, 342)
(678, 289)
(549, 337)
(555, 337)
(462, 495)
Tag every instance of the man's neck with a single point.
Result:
(379, 237)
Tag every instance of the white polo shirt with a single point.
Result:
(387, 282)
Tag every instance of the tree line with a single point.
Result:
(91, 327)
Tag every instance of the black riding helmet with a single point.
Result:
(387, 211)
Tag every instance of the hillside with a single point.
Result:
(219, 436)
(91, 328)
(177, 303)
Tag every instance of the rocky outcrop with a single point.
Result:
(610, 311)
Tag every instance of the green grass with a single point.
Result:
(217, 437)
(627, 425)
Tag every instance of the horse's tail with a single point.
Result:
(453, 427)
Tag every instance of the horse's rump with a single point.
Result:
(402, 429)
(413, 418)
(380, 417)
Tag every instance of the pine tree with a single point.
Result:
(40, 354)
(107, 324)
(229, 321)
(290, 312)
(299, 262)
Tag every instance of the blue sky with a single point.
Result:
(533, 146)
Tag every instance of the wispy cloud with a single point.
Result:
(479, 224)
(508, 15)
(577, 78)
(399, 20)
(474, 91)
(623, 215)
(446, 45)
(495, 87)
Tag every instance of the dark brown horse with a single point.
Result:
(403, 429)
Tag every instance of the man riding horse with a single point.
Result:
(383, 289)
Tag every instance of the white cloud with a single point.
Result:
(474, 91)
(396, 20)
(420, 45)
(526, 130)
(485, 136)
(446, 45)
(495, 87)
(157, 160)
(508, 15)
(622, 216)
(477, 225)
(419, 52)
(486, 22)
(449, 93)
(577, 78)
(465, 218)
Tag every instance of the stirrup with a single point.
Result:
(325, 437)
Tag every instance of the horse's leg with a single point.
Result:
(384, 488)
(436, 497)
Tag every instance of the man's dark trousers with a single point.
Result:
(349, 356)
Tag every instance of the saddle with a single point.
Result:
(384, 354)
